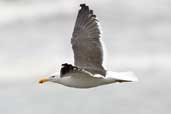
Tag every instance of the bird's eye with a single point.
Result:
(53, 76)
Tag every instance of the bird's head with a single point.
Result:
(52, 78)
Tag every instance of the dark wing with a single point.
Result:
(86, 44)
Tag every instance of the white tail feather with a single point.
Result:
(122, 76)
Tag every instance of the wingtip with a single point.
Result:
(83, 5)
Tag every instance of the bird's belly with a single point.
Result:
(82, 81)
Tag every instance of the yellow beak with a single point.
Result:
(43, 80)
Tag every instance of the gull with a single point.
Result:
(88, 70)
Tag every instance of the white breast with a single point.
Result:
(81, 80)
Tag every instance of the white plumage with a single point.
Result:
(88, 57)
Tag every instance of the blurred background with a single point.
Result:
(35, 41)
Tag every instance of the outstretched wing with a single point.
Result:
(86, 44)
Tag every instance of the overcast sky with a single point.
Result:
(35, 35)
(35, 40)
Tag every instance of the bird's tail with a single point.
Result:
(122, 76)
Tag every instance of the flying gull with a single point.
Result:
(88, 70)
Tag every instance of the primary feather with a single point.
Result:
(86, 44)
